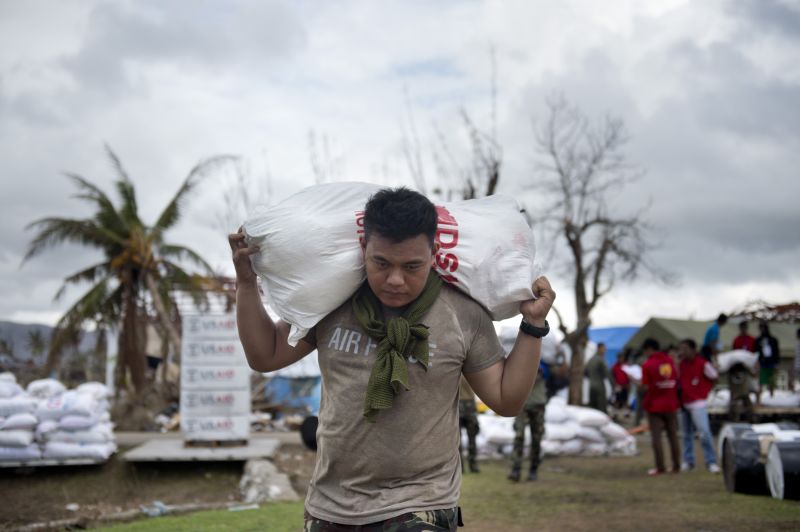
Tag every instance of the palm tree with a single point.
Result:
(137, 273)
(36, 344)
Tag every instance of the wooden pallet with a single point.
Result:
(215, 444)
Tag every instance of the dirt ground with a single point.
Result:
(37, 495)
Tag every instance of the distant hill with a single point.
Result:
(16, 337)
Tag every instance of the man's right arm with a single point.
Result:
(265, 343)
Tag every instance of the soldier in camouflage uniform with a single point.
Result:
(468, 419)
(740, 406)
(430, 521)
(533, 415)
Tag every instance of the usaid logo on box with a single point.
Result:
(215, 403)
(216, 428)
(215, 377)
(222, 327)
(210, 352)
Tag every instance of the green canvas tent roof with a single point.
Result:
(670, 331)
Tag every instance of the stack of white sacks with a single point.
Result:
(48, 422)
(569, 431)
(721, 397)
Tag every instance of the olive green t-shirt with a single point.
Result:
(408, 459)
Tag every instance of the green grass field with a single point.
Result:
(591, 494)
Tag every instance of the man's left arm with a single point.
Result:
(504, 386)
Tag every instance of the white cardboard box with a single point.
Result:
(216, 428)
(207, 327)
(213, 352)
(215, 377)
(197, 403)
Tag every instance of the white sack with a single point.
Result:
(561, 432)
(633, 371)
(556, 413)
(571, 447)
(738, 356)
(69, 403)
(44, 427)
(15, 438)
(21, 421)
(614, 432)
(591, 435)
(94, 451)
(626, 447)
(17, 405)
(9, 389)
(96, 389)
(498, 430)
(781, 399)
(311, 260)
(99, 434)
(588, 417)
(77, 422)
(594, 449)
(20, 454)
(551, 447)
(45, 388)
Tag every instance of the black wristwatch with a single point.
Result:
(532, 330)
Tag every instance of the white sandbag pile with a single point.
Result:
(569, 431)
(47, 421)
(487, 250)
(720, 399)
(576, 430)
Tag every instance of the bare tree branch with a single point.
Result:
(582, 163)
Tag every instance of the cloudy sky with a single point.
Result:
(709, 92)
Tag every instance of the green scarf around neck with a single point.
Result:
(398, 339)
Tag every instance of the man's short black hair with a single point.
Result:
(600, 344)
(690, 343)
(399, 214)
(651, 343)
(722, 319)
(743, 325)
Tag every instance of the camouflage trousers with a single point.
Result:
(468, 419)
(533, 416)
(427, 521)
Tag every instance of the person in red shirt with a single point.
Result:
(660, 383)
(696, 378)
(744, 340)
(622, 383)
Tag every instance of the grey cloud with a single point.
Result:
(781, 16)
(195, 35)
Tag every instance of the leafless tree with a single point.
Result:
(240, 194)
(325, 166)
(458, 178)
(581, 164)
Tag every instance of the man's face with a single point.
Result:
(684, 351)
(397, 271)
(601, 350)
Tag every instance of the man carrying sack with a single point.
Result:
(391, 358)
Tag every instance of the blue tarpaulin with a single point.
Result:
(615, 339)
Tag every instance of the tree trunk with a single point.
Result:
(130, 349)
(163, 316)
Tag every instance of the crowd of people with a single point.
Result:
(672, 392)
